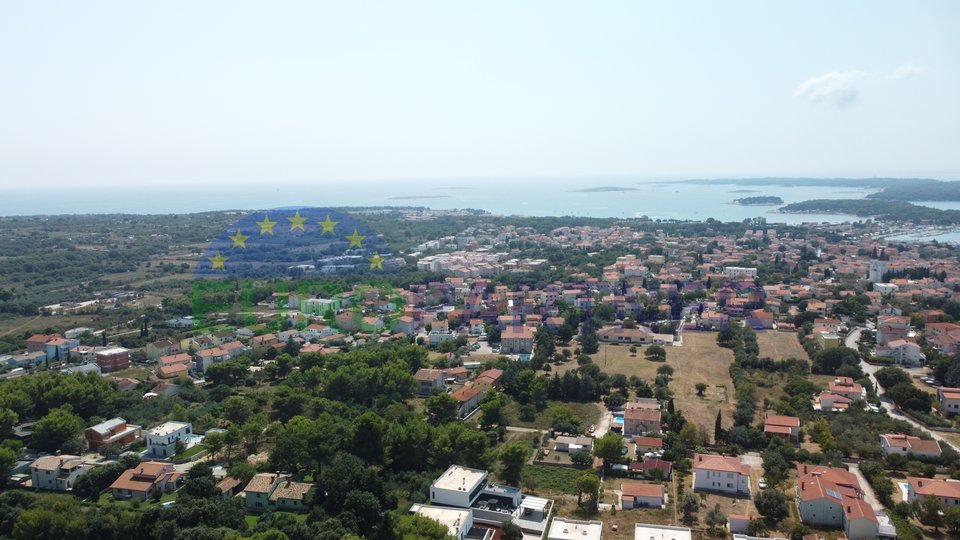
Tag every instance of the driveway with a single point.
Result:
(870, 370)
(868, 494)
(603, 426)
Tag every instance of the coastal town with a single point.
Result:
(788, 383)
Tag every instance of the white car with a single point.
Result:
(762, 483)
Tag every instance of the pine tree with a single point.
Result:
(103, 341)
(670, 406)
(718, 429)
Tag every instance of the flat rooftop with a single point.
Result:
(453, 520)
(645, 531)
(459, 478)
(572, 529)
(167, 428)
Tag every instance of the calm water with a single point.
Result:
(542, 197)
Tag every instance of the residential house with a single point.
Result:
(902, 351)
(640, 421)
(491, 377)
(640, 495)
(786, 428)
(147, 478)
(726, 474)
(163, 347)
(162, 440)
(272, 491)
(38, 342)
(207, 357)
(404, 324)
(230, 486)
(263, 342)
(60, 348)
(948, 491)
(516, 339)
(647, 467)
(845, 386)
(56, 472)
(949, 400)
(468, 398)
(459, 374)
(648, 531)
(113, 359)
(832, 497)
(115, 431)
(904, 445)
(572, 529)
(646, 445)
(831, 402)
(429, 381)
(565, 443)
(737, 523)
(458, 521)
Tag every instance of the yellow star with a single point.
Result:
(240, 240)
(355, 239)
(296, 222)
(376, 261)
(266, 226)
(328, 225)
(218, 261)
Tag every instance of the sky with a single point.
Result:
(239, 93)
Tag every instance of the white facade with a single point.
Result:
(162, 440)
(646, 531)
(739, 272)
(55, 472)
(877, 270)
(457, 522)
(458, 486)
(727, 482)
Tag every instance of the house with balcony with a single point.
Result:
(147, 478)
(115, 431)
(162, 440)
(832, 497)
(725, 474)
(56, 472)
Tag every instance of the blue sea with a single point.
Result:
(528, 197)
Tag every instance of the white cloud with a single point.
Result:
(906, 71)
(837, 88)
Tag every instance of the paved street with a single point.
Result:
(851, 341)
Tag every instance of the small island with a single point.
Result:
(603, 189)
(759, 200)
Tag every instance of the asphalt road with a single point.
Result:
(851, 341)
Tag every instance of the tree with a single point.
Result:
(492, 406)
(889, 377)
(716, 518)
(7, 459)
(771, 503)
(581, 458)
(214, 443)
(929, 513)
(756, 527)
(951, 519)
(689, 504)
(587, 483)
(55, 429)
(441, 408)
(512, 457)
(417, 527)
(718, 429)
(608, 448)
(775, 467)
(655, 353)
(701, 388)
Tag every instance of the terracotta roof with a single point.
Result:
(228, 484)
(466, 393)
(858, 509)
(52, 463)
(712, 462)
(145, 475)
(776, 420)
(290, 490)
(261, 483)
(654, 442)
(781, 430)
(642, 414)
(638, 489)
(938, 488)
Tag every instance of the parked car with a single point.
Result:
(762, 483)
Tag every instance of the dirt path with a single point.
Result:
(12, 330)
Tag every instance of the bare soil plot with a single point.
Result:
(780, 345)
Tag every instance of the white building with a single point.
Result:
(572, 529)
(458, 522)
(726, 474)
(739, 272)
(646, 531)
(458, 486)
(902, 352)
(162, 440)
(876, 270)
(55, 472)
(896, 443)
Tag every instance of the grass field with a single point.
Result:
(780, 345)
(587, 413)
(700, 359)
(551, 480)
